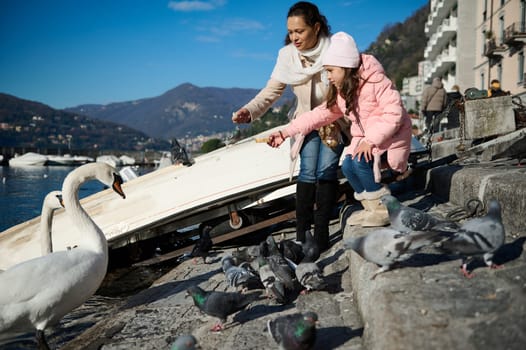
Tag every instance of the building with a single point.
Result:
(499, 53)
(472, 42)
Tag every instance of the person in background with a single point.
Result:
(495, 89)
(453, 98)
(434, 99)
(299, 65)
(380, 124)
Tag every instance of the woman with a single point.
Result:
(299, 65)
(361, 91)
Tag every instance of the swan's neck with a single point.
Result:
(94, 238)
(46, 218)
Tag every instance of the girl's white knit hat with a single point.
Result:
(342, 52)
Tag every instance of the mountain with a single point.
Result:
(26, 123)
(400, 46)
(185, 111)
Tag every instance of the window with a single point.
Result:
(520, 67)
(501, 30)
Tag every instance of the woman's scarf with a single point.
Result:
(289, 68)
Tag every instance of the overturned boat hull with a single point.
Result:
(226, 181)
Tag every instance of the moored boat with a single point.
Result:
(29, 159)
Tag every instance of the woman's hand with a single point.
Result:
(276, 139)
(242, 116)
(364, 149)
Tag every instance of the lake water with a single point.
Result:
(22, 190)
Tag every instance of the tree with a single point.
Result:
(211, 145)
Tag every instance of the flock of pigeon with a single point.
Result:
(281, 268)
(412, 229)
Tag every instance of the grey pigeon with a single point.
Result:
(294, 332)
(273, 286)
(386, 246)
(203, 245)
(311, 251)
(478, 236)
(185, 342)
(291, 250)
(236, 276)
(246, 254)
(309, 275)
(279, 265)
(407, 219)
(220, 304)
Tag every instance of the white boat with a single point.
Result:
(127, 160)
(65, 159)
(110, 159)
(29, 159)
(233, 182)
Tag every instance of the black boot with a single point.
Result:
(305, 193)
(326, 196)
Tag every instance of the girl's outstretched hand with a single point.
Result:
(276, 139)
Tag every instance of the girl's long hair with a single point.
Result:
(352, 83)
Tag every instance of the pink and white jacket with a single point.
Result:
(380, 118)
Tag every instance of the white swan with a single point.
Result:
(37, 293)
(52, 202)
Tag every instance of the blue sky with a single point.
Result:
(69, 52)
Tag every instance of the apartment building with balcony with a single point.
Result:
(450, 49)
(501, 35)
(470, 43)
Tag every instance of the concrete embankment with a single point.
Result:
(426, 302)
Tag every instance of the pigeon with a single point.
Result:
(478, 236)
(273, 286)
(294, 332)
(309, 275)
(203, 245)
(237, 276)
(220, 304)
(386, 246)
(246, 254)
(407, 219)
(311, 251)
(291, 250)
(279, 265)
(185, 342)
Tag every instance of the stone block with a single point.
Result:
(489, 117)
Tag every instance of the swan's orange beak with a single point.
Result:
(117, 182)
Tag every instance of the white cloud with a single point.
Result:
(229, 27)
(190, 6)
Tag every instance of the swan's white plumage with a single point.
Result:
(42, 290)
(51, 202)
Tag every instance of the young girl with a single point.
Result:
(361, 91)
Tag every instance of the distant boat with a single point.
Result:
(166, 160)
(110, 159)
(68, 159)
(127, 160)
(29, 159)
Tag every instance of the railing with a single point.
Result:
(513, 32)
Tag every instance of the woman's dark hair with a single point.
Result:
(349, 90)
(311, 15)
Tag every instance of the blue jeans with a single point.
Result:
(360, 174)
(318, 161)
